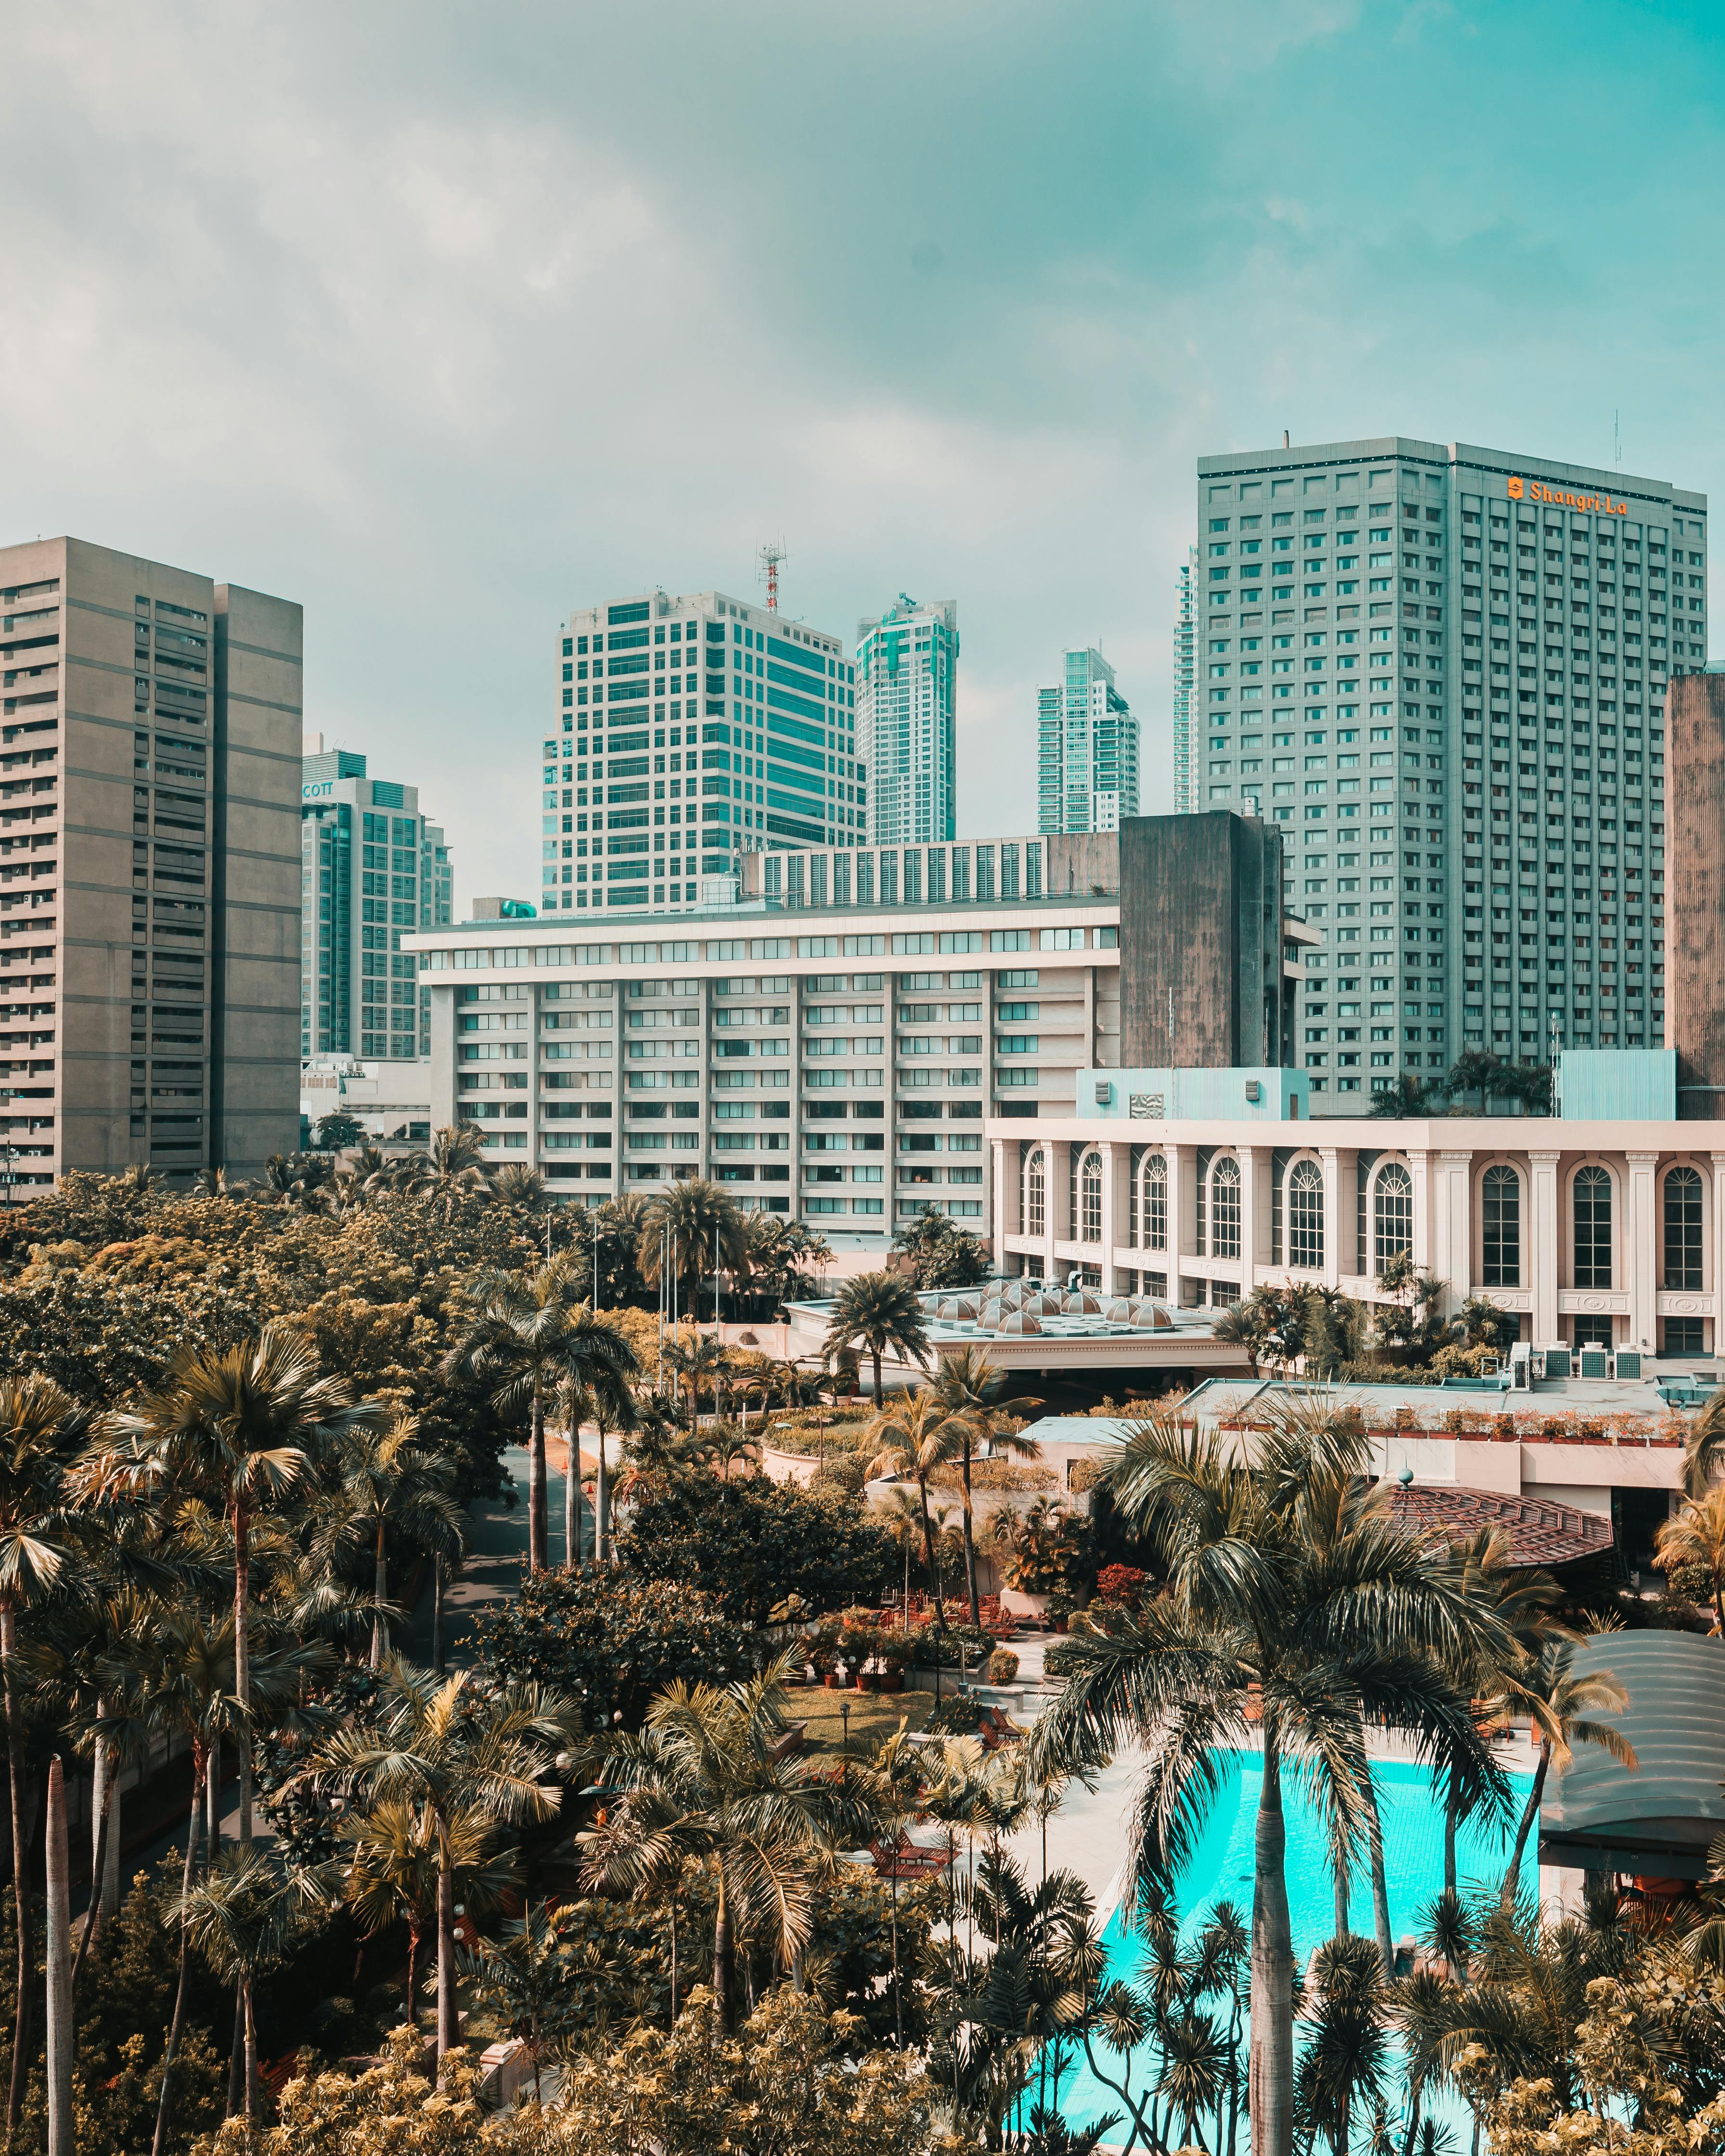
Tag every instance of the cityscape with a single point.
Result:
(862, 1149)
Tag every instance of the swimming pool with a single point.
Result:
(1220, 1870)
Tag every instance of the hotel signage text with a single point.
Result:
(1536, 490)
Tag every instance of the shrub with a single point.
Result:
(1002, 1666)
(751, 1545)
(1121, 1583)
(610, 1641)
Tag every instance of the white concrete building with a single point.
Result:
(906, 721)
(1593, 1232)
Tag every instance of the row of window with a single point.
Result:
(1297, 1203)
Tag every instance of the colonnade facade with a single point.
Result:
(1605, 1234)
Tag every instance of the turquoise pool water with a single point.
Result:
(1220, 1869)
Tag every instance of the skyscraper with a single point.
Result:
(1185, 799)
(1087, 749)
(1442, 670)
(656, 690)
(372, 868)
(151, 724)
(907, 702)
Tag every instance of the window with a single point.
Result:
(1682, 1229)
(1392, 1214)
(1035, 1194)
(1501, 1217)
(1090, 1198)
(1156, 1202)
(1306, 1215)
(1685, 1336)
(1224, 1209)
(1591, 1204)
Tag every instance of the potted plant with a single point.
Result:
(896, 1652)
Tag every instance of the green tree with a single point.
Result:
(697, 1228)
(456, 1748)
(881, 1311)
(387, 1482)
(528, 1335)
(970, 1392)
(754, 1543)
(242, 1918)
(241, 1427)
(1563, 1707)
(1268, 1625)
(944, 1255)
(913, 1440)
(610, 1641)
(338, 1129)
(453, 1170)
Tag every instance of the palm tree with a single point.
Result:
(453, 1169)
(456, 1749)
(40, 1428)
(969, 1389)
(1705, 1449)
(610, 1415)
(60, 2034)
(525, 1978)
(880, 1310)
(242, 1918)
(389, 1870)
(913, 1440)
(1308, 1635)
(1346, 2058)
(698, 1225)
(243, 1424)
(530, 1333)
(1407, 1098)
(1695, 1539)
(387, 1480)
(1562, 1706)
(517, 1184)
(768, 1827)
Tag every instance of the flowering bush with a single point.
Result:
(1121, 1583)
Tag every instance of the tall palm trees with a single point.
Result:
(454, 1748)
(767, 1825)
(969, 1389)
(39, 1430)
(693, 1232)
(387, 1480)
(1695, 1539)
(914, 1438)
(243, 1427)
(881, 1311)
(529, 1334)
(1311, 1635)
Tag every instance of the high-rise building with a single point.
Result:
(1183, 798)
(692, 731)
(149, 735)
(1442, 671)
(907, 704)
(372, 868)
(1087, 749)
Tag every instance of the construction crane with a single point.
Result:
(770, 554)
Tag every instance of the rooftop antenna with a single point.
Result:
(770, 554)
(1285, 438)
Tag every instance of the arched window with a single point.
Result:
(1501, 1228)
(1682, 1229)
(1306, 1215)
(1035, 1192)
(1224, 1209)
(1090, 1198)
(1156, 1202)
(1590, 1202)
(1392, 1214)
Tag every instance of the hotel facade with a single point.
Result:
(1440, 669)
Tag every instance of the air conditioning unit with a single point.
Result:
(1626, 1363)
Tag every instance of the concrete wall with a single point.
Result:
(1200, 915)
(255, 1107)
(1694, 908)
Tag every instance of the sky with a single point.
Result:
(442, 320)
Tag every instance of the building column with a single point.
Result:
(1716, 1270)
(1115, 1160)
(1006, 1207)
(1056, 1227)
(1254, 1215)
(1339, 1162)
(1419, 1173)
(1544, 1244)
(1639, 1243)
(1452, 1223)
(1182, 1181)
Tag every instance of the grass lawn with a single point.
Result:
(873, 1715)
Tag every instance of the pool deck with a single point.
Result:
(1084, 1835)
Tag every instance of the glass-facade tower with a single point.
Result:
(907, 702)
(1442, 670)
(1185, 799)
(1087, 749)
(372, 868)
(692, 731)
